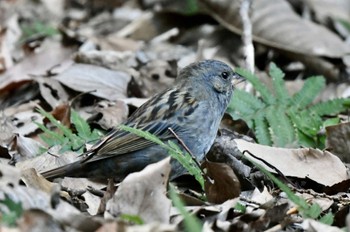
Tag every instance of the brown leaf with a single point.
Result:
(62, 114)
(225, 184)
(275, 24)
(338, 140)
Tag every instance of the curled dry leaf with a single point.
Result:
(143, 194)
(223, 184)
(26, 147)
(275, 24)
(301, 163)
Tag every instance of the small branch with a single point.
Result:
(248, 48)
(184, 146)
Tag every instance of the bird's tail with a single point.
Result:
(69, 170)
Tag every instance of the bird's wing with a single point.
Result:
(119, 142)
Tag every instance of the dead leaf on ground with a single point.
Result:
(311, 225)
(222, 184)
(144, 194)
(51, 54)
(112, 113)
(26, 148)
(48, 161)
(301, 163)
(105, 83)
(275, 24)
(338, 140)
(38, 220)
(52, 91)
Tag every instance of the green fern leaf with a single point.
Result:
(81, 126)
(266, 95)
(262, 129)
(278, 83)
(330, 107)
(282, 130)
(244, 105)
(66, 131)
(311, 88)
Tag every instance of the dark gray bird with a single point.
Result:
(193, 108)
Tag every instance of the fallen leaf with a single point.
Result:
(338, 140)
(301, 163)
(143, 194)
(104, 83)
(275, 24)
(223, 184)
(311, 225)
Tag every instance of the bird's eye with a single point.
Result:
(224, 75)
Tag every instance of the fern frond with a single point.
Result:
(330, 107)
(278, 83)
(311, 88)
(51, 138)
(244, 105)
(261, 128)
(66, 131)
(81, 125)
(266, 95)
(282, 130)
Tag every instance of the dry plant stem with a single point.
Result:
(166, 35)
(248, 48)
(185, 147)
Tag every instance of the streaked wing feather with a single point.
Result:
(123, 142)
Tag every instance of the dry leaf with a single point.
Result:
(324, 9)
(31, 179)
(26, 147)
(275, 24)
(104, 83)
(62, 113)
(223, 184)
(52, 91)
(113, 113)
(301, 163)
(311, 225)
(143, 194)
(51, 54)
(38, 220)
(338, 140)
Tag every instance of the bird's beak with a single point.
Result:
(237, 79)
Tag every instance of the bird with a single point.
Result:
(193, 108)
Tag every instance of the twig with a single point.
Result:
(248, 48)
(184, 146)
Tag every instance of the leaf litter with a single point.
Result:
(106, 59)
